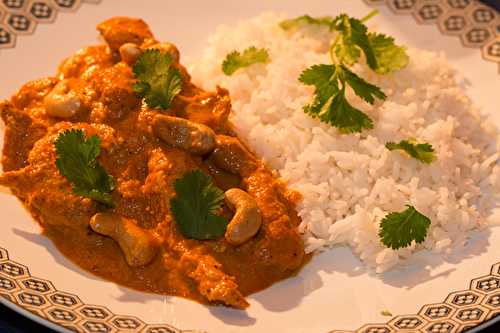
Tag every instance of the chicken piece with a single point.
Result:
(45, 191)
(209, 109)
(32, 93)
(163, 168)
(139, 246)
(116, 97)
(120, 30)
(21, 133)
(212, 282)
(230, 155)
(223, 179)
(281, 246)
(86, 62)
(48, 196)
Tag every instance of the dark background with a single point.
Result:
(493, 3)
(11, 322)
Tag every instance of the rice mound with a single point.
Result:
(349, 182)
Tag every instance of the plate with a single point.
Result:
(334, 292)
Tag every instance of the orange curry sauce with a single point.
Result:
(145, 169)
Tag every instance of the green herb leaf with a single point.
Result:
(158, 81)
(77, 162)
(330, 104)
(236, 60)
(347, 118)
(194, 207)
(386, 313)
(363, 89)
(381, 53)
(421, 151)
(390, 57)
(304, 20)
(398, 230)
(353, 36)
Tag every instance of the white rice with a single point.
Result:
(350, 182)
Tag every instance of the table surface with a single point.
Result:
(12, 322)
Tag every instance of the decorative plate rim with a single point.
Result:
(460, 311)
(474, 308)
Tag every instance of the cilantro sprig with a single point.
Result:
(389, 57)
(306, 20)
(398, 230)
(195, 206)
(319, 21)
(423, 152)
(331, 81)
(158, 82)
(330, 104)
(236, 60)
(77, 162)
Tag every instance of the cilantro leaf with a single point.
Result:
(77, 162)
(382, 54)
(195, 204)
(236, 60)
(330, 104)
(390, 57)
(423, 152)
(353, 36)
(304, 20)
(363, 89)
(347, 118)
(324, 79)
(398, 230)
(158, 81)
(317, 74)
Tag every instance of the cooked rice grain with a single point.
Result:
(350, 182)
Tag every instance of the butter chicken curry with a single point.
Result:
(136, 175)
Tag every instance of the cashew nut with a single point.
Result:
(139, 246)
(247, 218)
(184, 134)
(130, 52)
(168, 48)
(62, 101)
(230, 155)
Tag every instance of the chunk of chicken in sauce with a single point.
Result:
(137, 242)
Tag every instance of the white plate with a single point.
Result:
(334, 291)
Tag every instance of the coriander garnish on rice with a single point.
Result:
(399, 230)
(236, 60)
(330, 104)
(382, 55)
(349, 183)
(422, 152)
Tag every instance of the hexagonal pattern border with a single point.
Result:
(41, 298)
(21, 17)
(477, 25)
(460, 311)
